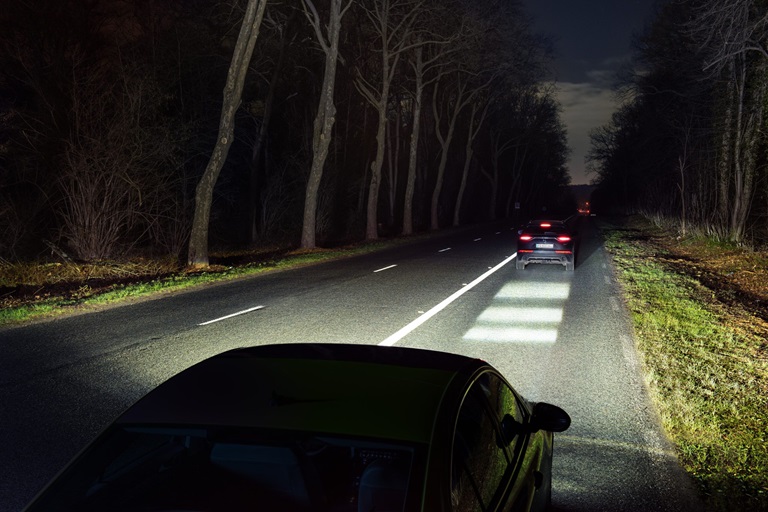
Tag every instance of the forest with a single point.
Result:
(163, 127)
(688, 147)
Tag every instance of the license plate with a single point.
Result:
(545, 246)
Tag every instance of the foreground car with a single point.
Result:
(320, 427)
(545, 241)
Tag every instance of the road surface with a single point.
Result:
(560, 337)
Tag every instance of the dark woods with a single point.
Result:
(688, 148)
(440, 113)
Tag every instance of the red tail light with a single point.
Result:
(563, 238)
(526, 238)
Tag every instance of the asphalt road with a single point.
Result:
(559, 337)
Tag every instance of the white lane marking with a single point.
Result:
(477, 239)
(614, 303)
(402, 333)
(607, 279)
(385, 268)
(446, 249)
(230, 316)
(498, 232)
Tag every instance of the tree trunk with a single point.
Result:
(445, 144)
(372, 223)
(465, 171)
(246, 40)
(323, 126)
(472, 130)
(410, 186)
(256, 167)
(751, 100)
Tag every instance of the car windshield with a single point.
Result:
(148, 468)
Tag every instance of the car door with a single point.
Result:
(484, 463)
(512, 415)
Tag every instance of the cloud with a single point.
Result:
(586, 106)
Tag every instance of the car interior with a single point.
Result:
(151, 469)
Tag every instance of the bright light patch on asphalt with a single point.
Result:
(512, 319)
(534, 290)
(505, 314)
(502, 334)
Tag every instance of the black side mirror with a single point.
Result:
(510, 427)
(549, 417)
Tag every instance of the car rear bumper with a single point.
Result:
(551, 257)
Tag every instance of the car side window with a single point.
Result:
(505, 402)
(479, 458)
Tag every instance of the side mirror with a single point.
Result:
(549, 417)
(510, 427)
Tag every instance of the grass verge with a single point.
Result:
(59, 288)
(706, 365)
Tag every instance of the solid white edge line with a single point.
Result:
(446, 249)
(402, 333)
(385, 268)
(230, 316)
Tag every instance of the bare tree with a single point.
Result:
(326, 111)
(456, 94)
(282, 25)
(112, 179)
(246, 40)
(393, 23)
(473, 128)
(439, 47)
(733, 37)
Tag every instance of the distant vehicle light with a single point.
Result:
(545, 225)
(526, 238)
(563, 238)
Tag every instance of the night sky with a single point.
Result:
(592, 39)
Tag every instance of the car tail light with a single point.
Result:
(526, 238)
(545, 225)
(563, 238)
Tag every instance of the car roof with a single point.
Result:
(390, 393)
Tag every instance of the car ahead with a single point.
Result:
(320, 427)
(545, 241)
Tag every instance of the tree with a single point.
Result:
(456, 94)
(238, 69)
(473, 128)
(441, 39)
(688, 145)
(326, 111)
(392, 22)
